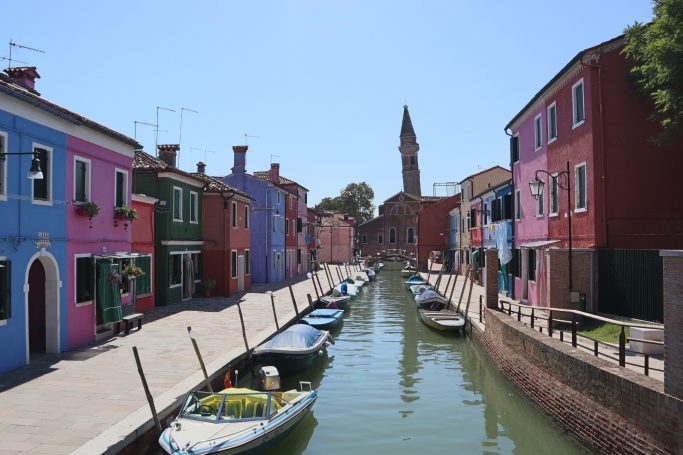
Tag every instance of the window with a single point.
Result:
(539, 206)
(305, 198)
(514, 149)
(278, 198)
(532, 264)
(392, 235)
(473, 218)
(175, 268)
(177, 204)
(121, 195)
(143, 284)
(518, 207)
(538, 137)
(246, 217)
(380, 238)
(273, 223)
(298, 256)
(247, 262)
(3, 169)
(42, 187)
(299, 225)
(196, 267)
(85, 279)
(517, 263)
(233, 264)
(552, 123)
(507, 207)
(233, 215)
(411, 235)
(286, 226)
(412, 161)
(577, 103)
(5, 290)
(125, 283)
(580, 187)
(81, 180)
(194, 207)
(365, 238)
(291, 202)
(554, 200)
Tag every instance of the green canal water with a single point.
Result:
(391, 384)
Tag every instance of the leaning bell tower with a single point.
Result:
(409, 148)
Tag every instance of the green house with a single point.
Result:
(177, 223)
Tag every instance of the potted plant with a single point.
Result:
(208, 285)
(124, 213)
(87, 208)
(132, 271)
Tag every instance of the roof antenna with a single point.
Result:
(156, 135)
(271, 158)
(20, 46)
(180, 133)
(202, 150)
(247, 136)
(135, 127)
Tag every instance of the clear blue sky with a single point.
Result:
(321, 83)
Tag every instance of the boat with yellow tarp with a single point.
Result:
(235, 420)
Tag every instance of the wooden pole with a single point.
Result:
(464, 285)
(339, 275)
(150, 400)
(467, 307)
(310, 301)
(328, 275)
(317, 277)
(272, 303)
(315, 288)
(437, 283)
(448, 283)
(201, 361)
(291, 292)
(244, 331)
(450, 302)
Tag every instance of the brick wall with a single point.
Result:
(673, 322)
(491, 278)
(584, 271)
(609, 413)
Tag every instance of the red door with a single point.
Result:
(36, 308)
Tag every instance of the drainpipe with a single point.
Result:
(603, 177)
(512, 184)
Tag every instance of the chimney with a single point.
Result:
(240, 159)
(275, 172)
(201, 168)
(168, 153)
(25, 76)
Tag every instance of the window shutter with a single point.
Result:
(514, 149)
(6, 309)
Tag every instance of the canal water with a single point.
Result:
(391, 384)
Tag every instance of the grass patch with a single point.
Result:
(602, 331)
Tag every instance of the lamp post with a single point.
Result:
(536, 186)
(35, 172)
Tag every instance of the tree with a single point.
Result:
(655, 51)
(329, 203)
(356, 200)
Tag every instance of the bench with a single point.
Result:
(129, 320)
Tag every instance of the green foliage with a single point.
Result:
(126, 212)
(132, 271)
(609, 333)
(209, 284)
(356, 200)
(655, 52)
(329, 203)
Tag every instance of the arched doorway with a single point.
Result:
(42, 305)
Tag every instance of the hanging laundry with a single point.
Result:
(504, 252)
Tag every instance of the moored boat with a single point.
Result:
(442, 318)
(293, 349)
(408, 270)
(235, 420)
(323, 319)
(371, 273)
(341, 302)
(420, 288)
(429, 296)
(414, 280)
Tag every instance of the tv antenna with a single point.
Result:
(20, 46)
(202, 150)
(135, 127)
(247, 136)
(271, 158)
(180, 132)
(156, 135)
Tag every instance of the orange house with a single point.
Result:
(227, 235)
(143, 251)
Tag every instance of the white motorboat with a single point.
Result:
(235, 420)
(342, 302)
(429, 296)
(420, 288)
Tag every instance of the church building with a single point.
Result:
(395, 229)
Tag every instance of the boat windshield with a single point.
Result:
(230, 406)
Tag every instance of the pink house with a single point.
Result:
(101, 174)
(336, 237)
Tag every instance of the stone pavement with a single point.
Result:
(634, 361)
(91, 401)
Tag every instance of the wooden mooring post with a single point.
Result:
(448, 283)
(272, 303)
(339, 275)
(317, 277)
(464, 285)
(193, 336)
(310, 301)
(291, 292)
(315, 288)
(328, 275)
(148, 394)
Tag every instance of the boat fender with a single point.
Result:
(330, 339)
(227, 382)
(320, 352)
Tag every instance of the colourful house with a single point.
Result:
(590, 118)
(290, 232)
(143, 251)
(434, 230)
(312, 237)
(267, 219)
(177, 223)
(48, 285)
(336, 232)
(226, 227)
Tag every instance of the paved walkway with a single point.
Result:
(607, 352)
(91, 401)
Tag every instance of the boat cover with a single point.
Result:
(299, 336)
(325, 313)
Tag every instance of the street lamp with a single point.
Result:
(536, 186)
(34, 173)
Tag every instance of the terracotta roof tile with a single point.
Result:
(215, 184)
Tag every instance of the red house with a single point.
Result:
(433, 228)
(623, 199)
(143, 250)
(227, 235)
(290, 235)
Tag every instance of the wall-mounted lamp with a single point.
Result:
(34, 173)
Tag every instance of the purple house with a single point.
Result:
(267, 220)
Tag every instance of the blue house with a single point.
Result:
(267, 218)
(501, 210)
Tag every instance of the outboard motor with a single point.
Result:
(268, 379)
